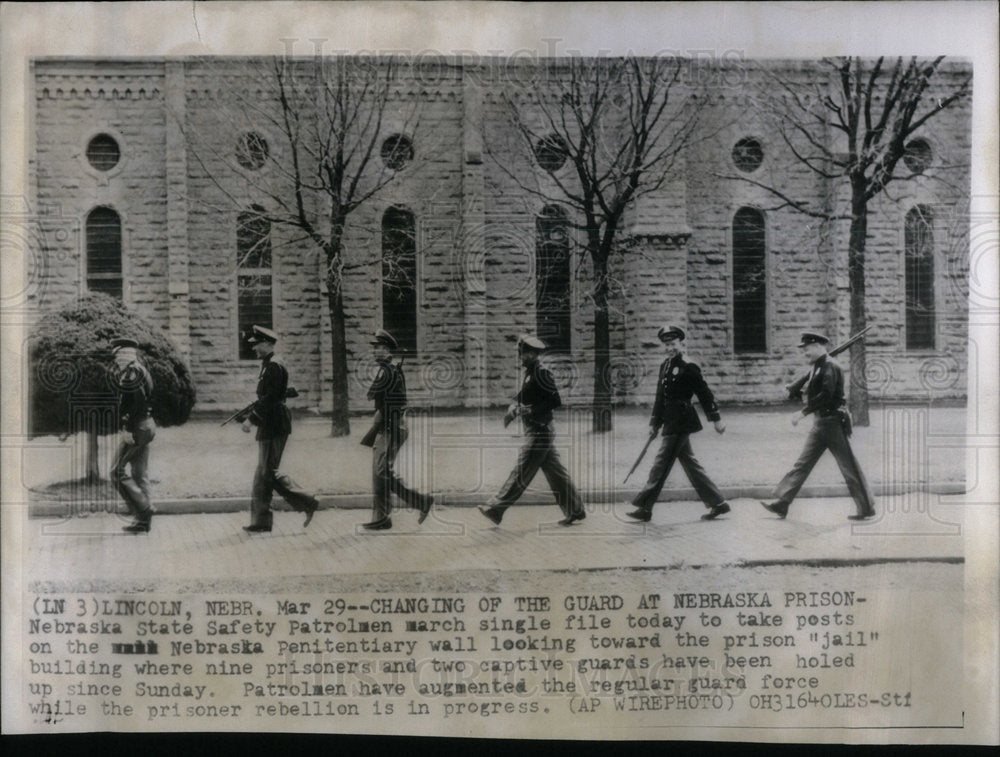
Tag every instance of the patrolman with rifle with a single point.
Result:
(271, 416)
(674, 413)
(824, 387)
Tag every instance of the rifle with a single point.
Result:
(641, 455)
(241, 415)
(795, 388)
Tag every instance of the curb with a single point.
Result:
(62, 508)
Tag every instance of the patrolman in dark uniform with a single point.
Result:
(387, 434)
(535, 402)
(831, 429)
(678, 381)
(134, 387)
(274, 423)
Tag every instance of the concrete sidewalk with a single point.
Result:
(915, 527)
(465, 457)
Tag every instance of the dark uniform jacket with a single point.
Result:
(135, 387)
(825, 390)
(388, 390)
(538, 396)
(678, 381)
(269, 413)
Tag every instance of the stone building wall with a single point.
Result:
(475, 193)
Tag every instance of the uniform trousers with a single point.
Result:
(677, 447)
(268, 479)
(827, 434)
(133, 484)
(538, 452)
(385, 482)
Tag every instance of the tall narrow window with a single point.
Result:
(399, 277)
(552, 295)
(253, 274)
(919, 243)
(104, 252)
(749, 282)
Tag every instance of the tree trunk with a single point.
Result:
(92, 473)
(858, 396)
(603, 418)
(339, 417)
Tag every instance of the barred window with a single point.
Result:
(397, 151)
(399, 277)
(551, 152)
(748, 154)
(251, 150)
(253, 275)
(917, 155)
(749, 282)
(918, 240)
(104, 252)
(552, 279)
(103, 153)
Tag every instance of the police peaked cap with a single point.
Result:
(526, 341)
(385, 338)
(260, 334)
(811, 337)
(671, 331)
(121, 342)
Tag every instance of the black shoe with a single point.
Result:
(779, 509)
(494, 514)
(311, 509)
(720, 509)
(862, 516)
(641, 514)
(572, 518)
(141, 524)
(425, 509)
(258, 528)
(382, 524)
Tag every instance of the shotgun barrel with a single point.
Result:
(795, 388)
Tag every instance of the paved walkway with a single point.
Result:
(469, 455)
(916, 526)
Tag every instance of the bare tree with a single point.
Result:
(853, 129)
(342, 130)
(621, 124)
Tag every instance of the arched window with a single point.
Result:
(749, 282)
(919, 243)
(399, 277)
(253, 274)
(552, 294)
(104, 252)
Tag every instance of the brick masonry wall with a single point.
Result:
(476, 239)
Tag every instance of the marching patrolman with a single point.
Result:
(134, 388)
(674, 414)
(271, 416)
(534, 404)
(388, 433)
(831, 429)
